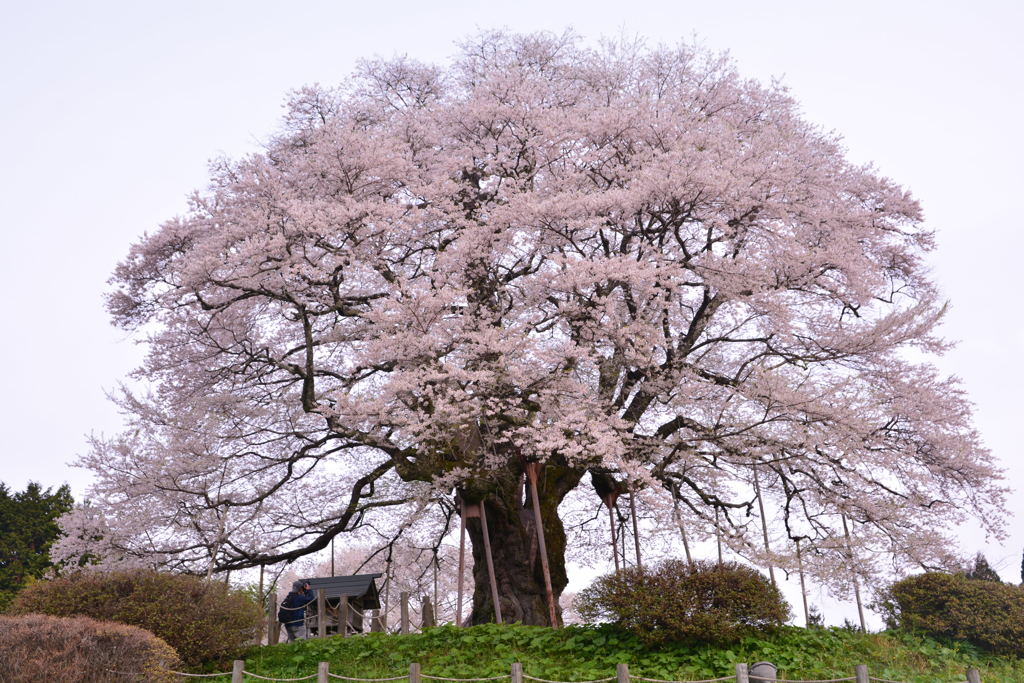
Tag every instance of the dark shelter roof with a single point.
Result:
(361, 586)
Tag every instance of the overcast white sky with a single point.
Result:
(110, 111)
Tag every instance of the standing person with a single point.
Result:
(293, 610)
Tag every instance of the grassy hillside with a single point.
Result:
(582, 653)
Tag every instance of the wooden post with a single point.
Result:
(490, 562)
(321, 615)
(273, 628)
(610, 503)
(636, 533)
(414, 672)
(718, 541)
(377, 622)
(403, 598)
(462, 560)
(973, 676)
(517, 672)
(803, 585)
(387, 589)
(860, 674)
(741, 673)
(427, 613)
(322, 669)
(856, 584)
(236, 671)
(343, 616)
(764, 523)
(679, 522)
(436, 603)
(263, 602)
(621, 673)
(532, 469)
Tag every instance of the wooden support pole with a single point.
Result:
(679, 522)
(403, 598)
(427, 613)
(532, 470)
(343, 616)
(764, 523)
(742, 675)
(321, 614)
(803, 584)
(414, 672)
(622, 542)
(322, 669)
(462, 560)
(273, 628)
(973, 676)
(436, 604)
(853, 574)
(636, 533)
(718, 540)
(611, 521)
(621, 673)
(237, 667)
(377, 621)
(263, 603)
(490, 562)
(860, 674)
(517, 672)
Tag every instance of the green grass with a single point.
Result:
(582, 653)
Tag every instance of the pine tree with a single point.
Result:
(28, 526)
(982, 571)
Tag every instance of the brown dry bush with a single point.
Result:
(203, 620)
(36, 647)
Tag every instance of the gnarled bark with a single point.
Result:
(514, 545)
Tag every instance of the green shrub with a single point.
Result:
(203, 620)
(984, 613)
(36, 647)
(703, 602)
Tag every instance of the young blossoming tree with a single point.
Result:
(620, 262)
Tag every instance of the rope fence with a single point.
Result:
(544, 680)
(764, 672)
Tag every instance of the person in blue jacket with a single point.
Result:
(293, 610)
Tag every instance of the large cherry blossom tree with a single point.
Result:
(628, 265)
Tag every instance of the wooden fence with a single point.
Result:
(761, 672)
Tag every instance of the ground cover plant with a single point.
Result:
(587, 653)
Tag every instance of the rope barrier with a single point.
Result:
(264, 678)
(442, 678)
(703, 680)
(373, 680)
(598, 680)
(176, 673)
(823, 680)
(885, 680)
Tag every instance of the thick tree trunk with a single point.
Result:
(517, 564)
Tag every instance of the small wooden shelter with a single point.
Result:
(359, 590)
